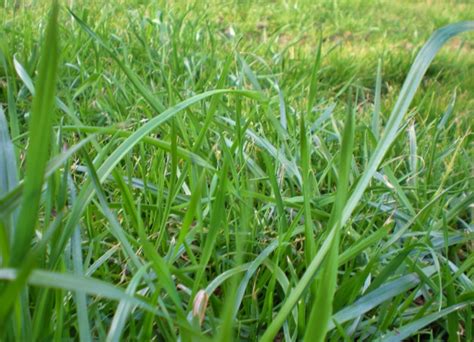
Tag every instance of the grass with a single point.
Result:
(236, 170)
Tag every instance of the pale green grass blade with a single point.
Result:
(373, 299)
(136, 81)
(402, 333)
(321, 310)
(72, 282)
(413, 159)
(8, 181)
(106, 168)
(325, 115)
(314, 78)
(307, 189)
(23, 74)
(77, 261)
(8, 172)
(418, 69)
(165, 145)
(410, 86)
(11, 200)
(124, 308)
(215, 225)
(288, 165)
(28, 82)
(247, 71)
(362, 245)
(375, 124)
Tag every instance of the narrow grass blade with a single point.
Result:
(8, 172)
(11, 91)
(106, 168)
(78, 283)
(373, 299)
(402, 333)
(136, 81)
(164, 145)
(23, 74)
(11, 200)
(310, 245)
(314, 77)
(322, 307)
(288, 165)
(40, 130)
(411, 84)
(215, 224)
(77, 261)
(115, 226)
(362, 245)
(377, 102)
(418, 69)
(8, 181)
(125, 307)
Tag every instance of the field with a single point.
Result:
(236, 170)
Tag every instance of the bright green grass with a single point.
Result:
(236, 170)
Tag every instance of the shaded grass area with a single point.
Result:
(232, 169)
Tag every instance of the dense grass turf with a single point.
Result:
(280, 170)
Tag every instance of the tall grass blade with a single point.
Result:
(402, 333)
(410, 86)
(8, 178)
(40, 136)
(415, 75)
(321, 310)
(72, 282)
(78, 267)
(385, 292)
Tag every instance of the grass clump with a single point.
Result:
(185, 175)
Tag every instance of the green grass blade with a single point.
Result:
(24, 76)
(402, 333)
(410, 86)
(125, 307)
(314, 77)
(8, 172)
(377, 102)
(288, 165)
(8, 181)
(40, 130)
(106, 168)
(72, 282)
(305, 153)
(11, 200)
(300, 288)
(215, 224)
(78, 267)
(11, 90)
(321, 310)
(376, 297)
(418, 69)
(136, 81)
(164, 145)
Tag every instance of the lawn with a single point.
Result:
(236, 170)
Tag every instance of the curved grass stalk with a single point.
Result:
(411, 84)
